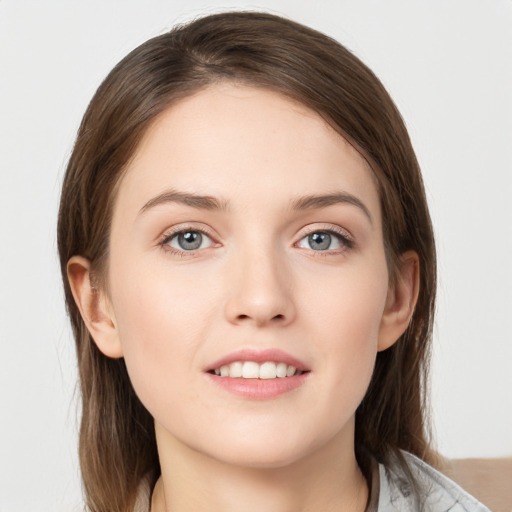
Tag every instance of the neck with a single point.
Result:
(328, 479)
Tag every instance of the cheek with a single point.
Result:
(344, 321)
(347, 307)
(162, 324)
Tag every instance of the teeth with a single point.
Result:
(268, 371)
(236, 369)
(281, 369)
(252, 370)
(290, 371)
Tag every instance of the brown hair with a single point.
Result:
(117, 440)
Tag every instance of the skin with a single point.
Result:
(256, 283)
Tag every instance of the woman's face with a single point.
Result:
(246, 231)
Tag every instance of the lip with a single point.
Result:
(259, 356)
(258, 389)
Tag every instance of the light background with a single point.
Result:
(447, 64)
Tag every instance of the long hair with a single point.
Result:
(117, 440)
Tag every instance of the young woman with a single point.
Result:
(249, 269)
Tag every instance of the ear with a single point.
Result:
(94, 307)
(401, 301)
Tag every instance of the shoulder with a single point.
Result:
(419, 487)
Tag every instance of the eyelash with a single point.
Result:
(343, 237)
(164, 242)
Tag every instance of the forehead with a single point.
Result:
(243, 142)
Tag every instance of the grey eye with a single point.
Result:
(190, 241)
(323, 241)
(319, 241)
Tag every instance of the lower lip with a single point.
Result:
(258, 389)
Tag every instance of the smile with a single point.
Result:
(258, 374)
(254, 370)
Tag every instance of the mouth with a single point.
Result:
(258, 374)
(254, 370)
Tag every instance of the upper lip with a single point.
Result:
(259, 356)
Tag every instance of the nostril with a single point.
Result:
(248, 317)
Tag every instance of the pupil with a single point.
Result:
(320, 241)
(190, 240)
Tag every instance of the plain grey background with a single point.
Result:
(447, 64)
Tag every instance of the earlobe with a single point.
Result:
(401, 301)
(94, 307)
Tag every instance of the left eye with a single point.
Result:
(189, 240)
(322, 241)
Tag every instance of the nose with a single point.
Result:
(260, 290)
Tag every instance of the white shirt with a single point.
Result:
(437, 492)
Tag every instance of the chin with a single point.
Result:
(258, 458)
(270, 450)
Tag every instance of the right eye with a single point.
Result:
(326, 240)
(188, 240)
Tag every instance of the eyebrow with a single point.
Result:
(186, 198)
(322, 201)
(309, 202)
